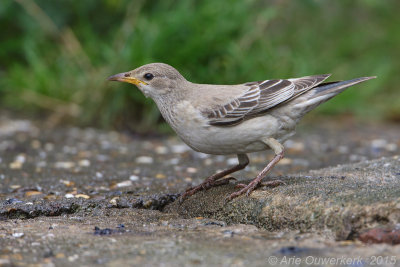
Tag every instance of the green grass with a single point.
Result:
(56, 55)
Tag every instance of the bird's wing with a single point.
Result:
(260, 97)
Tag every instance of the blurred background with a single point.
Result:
(56, 55)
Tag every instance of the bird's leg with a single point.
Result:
(215, 180)
(278, 149)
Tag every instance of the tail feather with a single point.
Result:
(337, 87)
(324, 92)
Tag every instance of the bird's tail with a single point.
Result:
(323, 92)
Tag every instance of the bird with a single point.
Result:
(233, 119)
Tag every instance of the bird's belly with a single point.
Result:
(245, 137)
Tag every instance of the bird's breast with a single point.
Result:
(193, 128)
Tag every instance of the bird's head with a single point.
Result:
(155, 79)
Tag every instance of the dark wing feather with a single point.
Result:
(259, 98)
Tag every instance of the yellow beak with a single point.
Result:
(124, 77)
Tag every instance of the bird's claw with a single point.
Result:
(204, 186)
(248, 189)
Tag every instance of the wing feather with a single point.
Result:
(259, 98)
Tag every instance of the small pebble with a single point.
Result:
(191, 170)
(381, 235)
(84, 163)
(232, 161)
(84, 154)
(124, 183)
(67, 183)
(60, 255)
(285, 161)
(208, 162)
(50, 197)
(213, 223)
(15, 165)
(290, 250)
(160, 176)
(73, 257)
(64, 164)
(144, 160)
(20, 158)
(35, 144)
(105, 231)
(69, 196)
(228, 233)
(147, 204)
(162, 150)
(17, 235)
(32, 193)
(201, 155)
(134, 178)
(391, 147)
(113, 201)
(12, 201)
(294, 146)
(378, 143)
(99, 175)
(82, 196)
(15, 186)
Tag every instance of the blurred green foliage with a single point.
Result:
(56, 55)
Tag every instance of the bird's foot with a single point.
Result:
(248, 188)
(207, 184)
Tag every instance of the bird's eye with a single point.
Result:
(148, 76)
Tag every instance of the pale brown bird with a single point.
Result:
(233, 119)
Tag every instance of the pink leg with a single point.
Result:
(253, 184)
(215, 180)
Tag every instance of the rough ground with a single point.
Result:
(82, 197)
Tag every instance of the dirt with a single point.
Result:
(83, 197)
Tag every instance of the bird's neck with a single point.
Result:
(167, 103)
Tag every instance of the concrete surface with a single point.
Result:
(84, 197)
